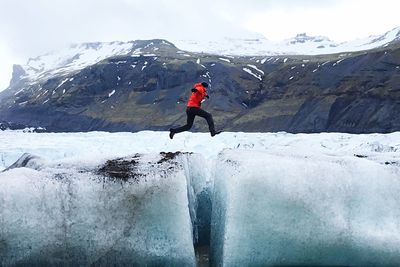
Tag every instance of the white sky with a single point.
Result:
(33, 27)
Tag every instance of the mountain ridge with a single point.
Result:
(144, 85)
(78, 56)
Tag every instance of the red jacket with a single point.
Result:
(196, 97)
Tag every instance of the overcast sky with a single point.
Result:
(29, 28)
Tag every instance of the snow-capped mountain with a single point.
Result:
(78, 56)
(118, 86)
(301, 44)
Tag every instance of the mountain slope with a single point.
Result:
(146, 86)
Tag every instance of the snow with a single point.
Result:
(255, 67)
(147, 46)
(308, 45)
(19, 91)
(111, 93)
(73, 58)
(251, 73)
(340, 60)
(225, 59)
(100, 145)
(144, 65)
(61, 83)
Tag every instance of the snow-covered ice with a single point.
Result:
(277, 198)
(304, 209)
(72, 216)
(98, 146)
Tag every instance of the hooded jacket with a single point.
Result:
(197, 96)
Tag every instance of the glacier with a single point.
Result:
(251, 199)
(77, 217)
(271, 210)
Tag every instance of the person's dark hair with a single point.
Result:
(204, 84)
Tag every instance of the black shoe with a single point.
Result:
(171, 133)
(215, 133)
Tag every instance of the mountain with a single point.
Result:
(301, 44)
(144, 84)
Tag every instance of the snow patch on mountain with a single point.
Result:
(74, 57)
(301, 44)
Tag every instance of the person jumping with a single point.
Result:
(199, 93)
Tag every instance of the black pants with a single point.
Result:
(192, 112)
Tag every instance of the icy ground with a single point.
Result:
(95, 147)
(255, 199)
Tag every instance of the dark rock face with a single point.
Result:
(353, 92)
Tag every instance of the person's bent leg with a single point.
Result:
(209, 118)
(189, 123)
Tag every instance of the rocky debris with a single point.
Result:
(121, 168)
(136, 167)
(168, 156)
(360, 156)
(11, 126)
(18, 126)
